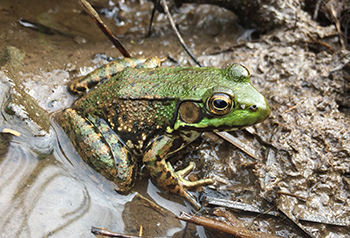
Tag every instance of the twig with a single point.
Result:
(234, 141)
(104, 232)
(94, 15)
(320, 42)
(152, 17)
(212, 201)
(140, 232)
(10, 131)
(221, 227)
(337, 24)
(182, 42)
(317, 8)
(240, 206)
(222, 212)
(150, 204)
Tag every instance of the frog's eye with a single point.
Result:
(246, 69)
(220, 103)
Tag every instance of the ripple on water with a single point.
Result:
(42, 193)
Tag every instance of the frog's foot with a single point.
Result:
(151, 62)
(184, 183)
(190, 184)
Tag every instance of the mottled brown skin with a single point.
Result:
(84, 135)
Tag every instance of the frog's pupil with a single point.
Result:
(219, 103)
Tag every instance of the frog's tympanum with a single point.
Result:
(133, 110)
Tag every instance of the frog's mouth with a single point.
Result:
(209, 128)
(207, 125)
(239, 119)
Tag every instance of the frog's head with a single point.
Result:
(231, 104)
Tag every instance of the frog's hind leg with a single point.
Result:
(84, 84)
(155, 160)
(100, 147)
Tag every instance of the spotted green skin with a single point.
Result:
(133, 115)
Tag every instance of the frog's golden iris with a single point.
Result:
(220, 104)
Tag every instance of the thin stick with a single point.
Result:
(152, 17)
(107, 233)
(94, 15)
(234, 141)
(182, 42)
(222, 227)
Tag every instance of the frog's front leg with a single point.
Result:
(99, 146)
(84, 84)
(155, 160)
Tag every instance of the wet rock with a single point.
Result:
(11, 55)
(18, 103)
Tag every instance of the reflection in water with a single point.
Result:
(5, 140)
(46, 195)
(27, 186)
(156, 220)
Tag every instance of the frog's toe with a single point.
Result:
(192, 184)
(181, 174)
(186, 171)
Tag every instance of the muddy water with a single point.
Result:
(47, 190)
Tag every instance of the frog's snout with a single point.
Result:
(262, 109)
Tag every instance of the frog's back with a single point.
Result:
(180, 82)
(133, 104)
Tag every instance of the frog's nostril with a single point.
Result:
(253, 107)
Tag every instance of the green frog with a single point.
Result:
(133, 110)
